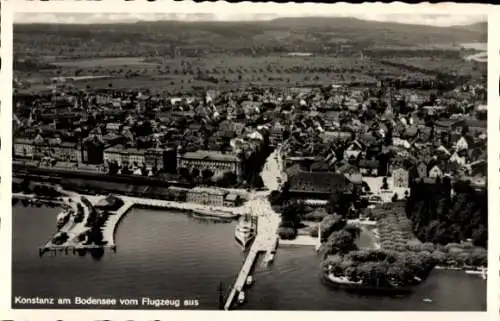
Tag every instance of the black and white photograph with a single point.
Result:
(250, 161)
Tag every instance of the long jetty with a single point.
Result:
(266, 241)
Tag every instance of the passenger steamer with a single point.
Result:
(246, 230)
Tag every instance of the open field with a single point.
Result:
(226, 72)
(131, 62)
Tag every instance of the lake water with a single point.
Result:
(165, 255)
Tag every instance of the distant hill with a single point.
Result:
(481, 27)
(315, 34)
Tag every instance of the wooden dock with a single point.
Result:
(265, 242)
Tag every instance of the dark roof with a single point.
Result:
(445, 123)
(368, 163)
(411, 131)
(479, 168)
(320, 166)
(318, 182)
(472, 122)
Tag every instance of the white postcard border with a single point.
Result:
(109, 6)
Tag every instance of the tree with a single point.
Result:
(275, 198)
(126, 170)
(207, 174)
(184, 172)
(257, 181)
(330, 224)
(113, 168)
(292, 214)
(195, 172)
(228, 179)
(385, 185)
(339, 242)
(287, 233)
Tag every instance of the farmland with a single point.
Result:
(225, 71)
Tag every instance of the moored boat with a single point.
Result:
(241, 297)
(245, 231)
(211, 212)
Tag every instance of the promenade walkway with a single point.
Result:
(109, 228)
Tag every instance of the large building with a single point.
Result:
(211, 196)
(218, 162)
(318, 185)
(23, 147)
(159, 158)
(39, 148)
(122, 155)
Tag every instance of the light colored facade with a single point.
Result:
(215, 161)
(206, 196)
(113, 127)
(23, 147)
(122, 155)
(460, 160)
(400, 177)
(353, 150)
(462, 144)
(154, 157)
(63, 151)
(435, 172)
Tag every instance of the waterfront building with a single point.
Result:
(206, 196)
(218, 162)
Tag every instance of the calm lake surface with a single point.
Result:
(168, 255)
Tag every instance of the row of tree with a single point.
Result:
(439, 217)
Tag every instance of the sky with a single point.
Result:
(93, 18)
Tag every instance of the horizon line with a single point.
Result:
(123, 18)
